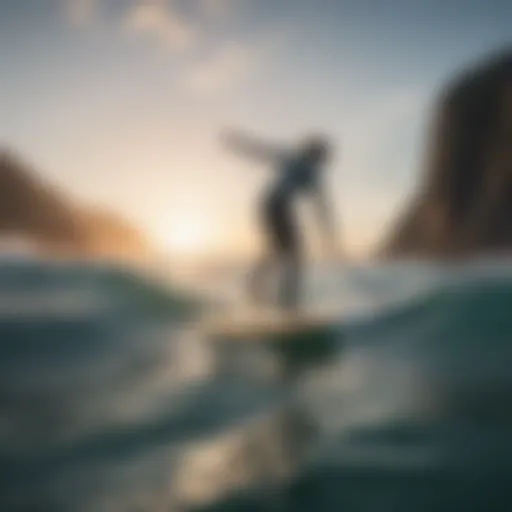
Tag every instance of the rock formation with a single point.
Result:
(464, 202)
(36, 210)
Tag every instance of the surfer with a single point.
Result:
(298, 171)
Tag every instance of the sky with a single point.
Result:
(122, 102)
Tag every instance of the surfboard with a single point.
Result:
(247, 327)
(298, 340)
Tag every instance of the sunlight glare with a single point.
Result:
(187, 235)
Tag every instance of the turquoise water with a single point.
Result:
(112, 399)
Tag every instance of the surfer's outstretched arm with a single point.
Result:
(247, 146)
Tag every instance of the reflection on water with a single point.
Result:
(111, 398)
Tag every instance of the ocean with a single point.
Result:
(112, 398)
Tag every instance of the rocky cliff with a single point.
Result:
(463, 204)
(35, 209)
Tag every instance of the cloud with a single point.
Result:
(231, 64)
(80, 12)
(215, 64)
(161, 21)
(227, 67)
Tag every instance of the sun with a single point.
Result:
(187, 235)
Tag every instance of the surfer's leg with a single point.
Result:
(258, 280)
(290, 258)
(285, 252)
(291, 282)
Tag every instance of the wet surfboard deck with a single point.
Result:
(298, 340)
(256, 325)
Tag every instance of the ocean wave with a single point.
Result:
(112, 397)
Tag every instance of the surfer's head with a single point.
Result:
(316, 149)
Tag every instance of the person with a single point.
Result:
(299, 170)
